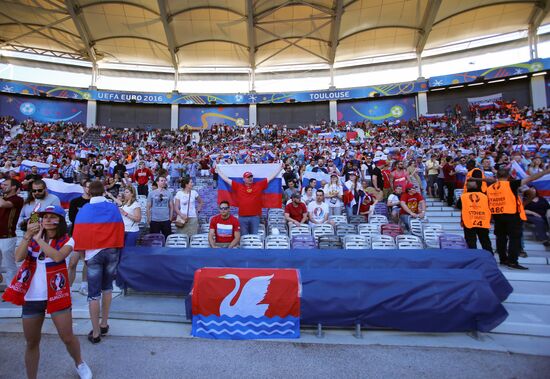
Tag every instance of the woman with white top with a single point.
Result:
(130, 211)
(42, 285)
(131, 215)
(333, 195)
(308, 196)
(187, 205)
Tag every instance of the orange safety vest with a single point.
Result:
(469, 175)
(475, 210)
(503, 201)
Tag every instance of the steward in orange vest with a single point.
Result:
(476, 217)
(477, 175)
(508, 214)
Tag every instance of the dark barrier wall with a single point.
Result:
(206, 116)
(377, 110)
(42, 109)
(511, 90)
(120, 115)
(293, 114)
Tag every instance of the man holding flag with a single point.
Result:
(248, 197)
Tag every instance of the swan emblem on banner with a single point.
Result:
(247, 303)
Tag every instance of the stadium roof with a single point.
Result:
(253, 33)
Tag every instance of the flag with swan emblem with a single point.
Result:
(246, 303)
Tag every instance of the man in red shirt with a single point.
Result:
(249, 199)
(412, 205)
(224, 229)
(10, 208)
(142, 177)
(296, 211)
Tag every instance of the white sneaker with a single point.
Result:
(84, 371)
(84, 290)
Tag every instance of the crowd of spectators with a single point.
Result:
(388, 162)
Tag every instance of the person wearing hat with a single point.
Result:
(248, 197)
(334, 191)
(296, 211)
(42, 285)
(412, 205)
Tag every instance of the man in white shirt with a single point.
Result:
(318, 210)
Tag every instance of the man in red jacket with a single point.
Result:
(142, 177)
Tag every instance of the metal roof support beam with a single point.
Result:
(36, 30)
(535, 19)
(51, 24)
(266, 13)
(315, 6)
(427, 23)
(295, 44)
(335, 30)
(169, 35)
(251, 35)
(76, 14)
(304, 19)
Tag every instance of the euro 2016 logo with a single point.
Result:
(474, 199)
(23, 276)
(57, 283)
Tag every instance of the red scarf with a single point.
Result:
(57, 279)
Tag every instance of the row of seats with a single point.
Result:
(305, 241)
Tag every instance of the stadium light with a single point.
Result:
(518, 77)
(496, 81)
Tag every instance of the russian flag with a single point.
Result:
(272, 196)
(130, 168)
(26, 166)
(542, 185)
(64, 191)
(98, 226)
(319, 176)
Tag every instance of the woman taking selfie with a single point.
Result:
(42, 285)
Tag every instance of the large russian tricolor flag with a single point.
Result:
(26, 166)
(542, 185)
(98, 226)
(272, 196)
(319, 176)
(64, 191)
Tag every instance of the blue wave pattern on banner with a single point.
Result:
(204, 117)
(43, 110)
(377, 111)
(237, 327)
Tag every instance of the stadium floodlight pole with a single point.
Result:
(419, 64)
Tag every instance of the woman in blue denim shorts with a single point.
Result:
(44, 283)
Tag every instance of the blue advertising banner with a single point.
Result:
(395, 89)
(377, 111)
(491, 73)
(41, 109)
(194, 117)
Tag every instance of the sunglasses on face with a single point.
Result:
(37, 190)
(224, 208)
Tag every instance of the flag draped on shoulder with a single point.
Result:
(64, 191)
(98, 226)
(272, 196)
(542, 185)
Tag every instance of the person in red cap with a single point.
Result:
(249, 199)
(412, 205)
